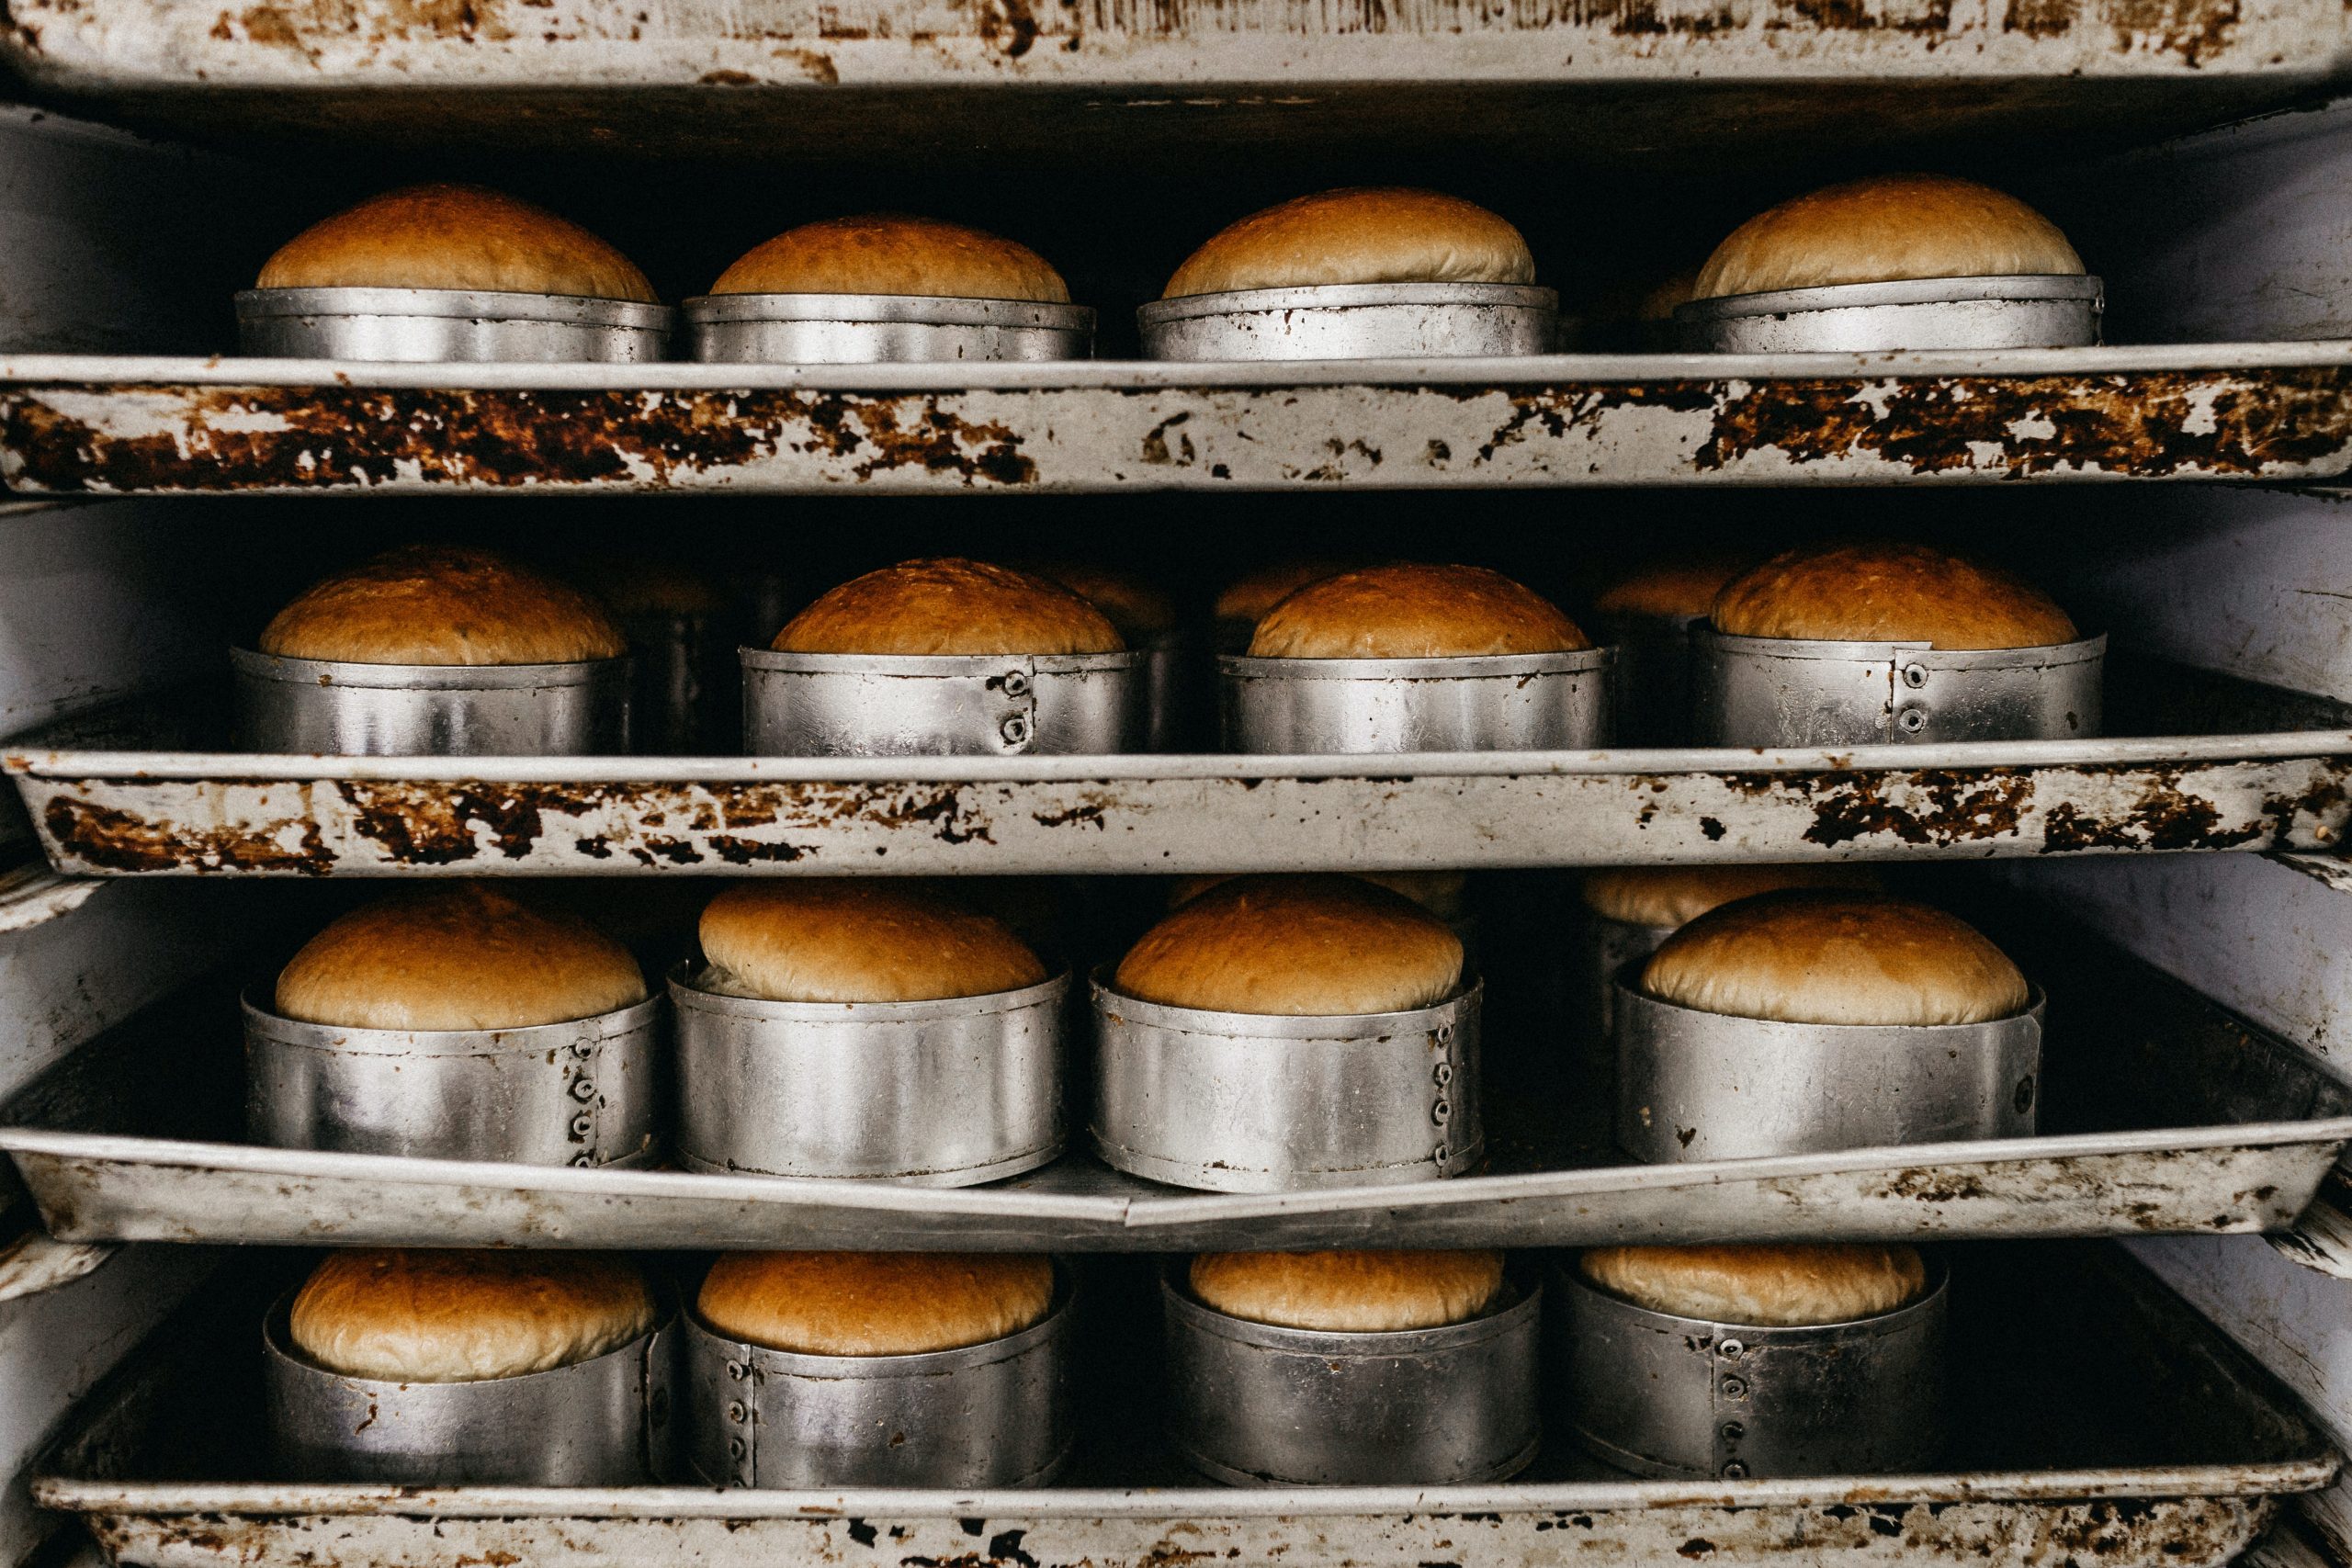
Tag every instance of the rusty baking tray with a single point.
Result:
(73, 426)
(2163, 1114)
(2111, 1425)
(143, 788)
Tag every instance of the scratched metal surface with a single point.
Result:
(136, 812)
(2123, 1431)
(92, 425)
(2161, 1113)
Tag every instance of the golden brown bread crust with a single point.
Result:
(456, 956)
(1672, 895)
(1301, 946)
(1804, 955)
(442, 604)
(1889, 593)
(1681, 589)
(946, 605)
(1886, 227)
(1140, 611)
(1413, 611)
(874, 1304)
(1364, 234)
(1249, 596)
(402, 1316)
(1442, 893)
(890, 253)
(453, 236)
(856, 940)
(1766, 1287)
(1349, 1293)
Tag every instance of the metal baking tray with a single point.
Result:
(2161, 1113)
(143, 788)
(2113, 1426)
(77, 424)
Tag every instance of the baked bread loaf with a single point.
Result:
(1364, 234)
(1443, 893)
(1766, 1287)
(414, 1316)
(1412, 611)
(456, 955)
(1319, 945)
(1679, 589)
(439, 604)
(856, 940)
(1808, 956)
(1889, 593)
(1666, 897)
(1139, 611)
(1251, 595)
(1349, 1293)
(889, 253)
(453, 236)
(949, 605)
(874, 1304)
(1886, 228)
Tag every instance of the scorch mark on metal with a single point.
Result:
(2289, 422)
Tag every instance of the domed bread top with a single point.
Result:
(433, 604)
(1302, 946)
(889, 253)
(1349, 1293)
(1364, 234)
(456, 956)
(412, 1315)
(947, 606)
(874, 1304)
(452, 236)
(1889, 593)
(1671, 896)
(1249, 596)
(1442, 893)
(1410, 611)
(1139, 610)
(855, 939)
(1766, 1287)
(1681, 589)
(1883, 229)
(1807, 956)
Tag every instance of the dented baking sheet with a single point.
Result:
(111, 813)
(87, 425)
(2113, 1428)
(2162, 1114)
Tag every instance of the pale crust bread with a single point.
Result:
(414, 1315)
(889, 253)
(1666, 897)
(874, 1304)
(949, 605)
(1808, 956)
(1301, 946)
(1349, 1293)
(1139, 610)
(1883, 229)
(1766, 1287)
(1413, 611)
(1249, 596)
(452, 236)
(856, 940)
(456, 956)
(1364, 234)
(435, 605)
(1890, 593)
(1442, 893)
(1681, 589)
